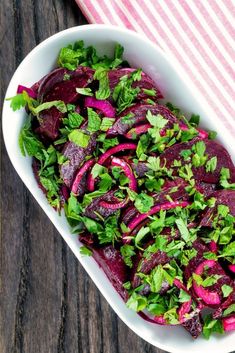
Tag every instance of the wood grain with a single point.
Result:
(48, 304)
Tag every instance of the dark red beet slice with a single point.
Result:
(111, 262)
(49, 81)
(96, 206)
(139, 112)
(140, 168)
(49, 123)
(205, 188)
(223, 197)
(54, 87)
(212, 149)
(147, 265)
(76, 156)
(145, 83)
(128, 214)
(193, 325)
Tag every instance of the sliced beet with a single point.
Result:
(194, 325)
(146, 265)
(48, 81)
(49, 123)
(111, 262)
(145, 83)
(76, 156)
(140, 168)
(96, 206)
(212, 149)
(205, 188)
(55, 87)
(139, 112)
(223, 197)
(128, 214)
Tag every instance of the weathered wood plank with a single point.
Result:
(48, 303)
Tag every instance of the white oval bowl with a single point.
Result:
(139, 52)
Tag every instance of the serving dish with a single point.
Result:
(140, 53)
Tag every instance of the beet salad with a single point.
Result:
(149, 193)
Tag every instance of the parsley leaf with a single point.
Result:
(127, 252)
(17, 102)
(143, 202)
(211, 165)
(29, 143)
(156, 120)
(224, 176)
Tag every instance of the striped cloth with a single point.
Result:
(200, 35)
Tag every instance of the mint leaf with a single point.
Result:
(194, 120)
(226, 290)
(97, 170)
(85, 251)
(184, 296)
(137, 302)
(60, 105)
(94, 120)
(73, 121)
(101, 75)
(111, 142)
(85, 91)
(106, 123)
(184, 232)
(211, 325)
(229, 310)
(79, 138)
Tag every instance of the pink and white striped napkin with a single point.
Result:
(200, 35)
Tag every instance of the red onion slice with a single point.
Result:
(229, 323)
(127, 171)
(28, 90)
(80, 174)
(105, 156)
(103, 105)
(157, 208)
(210, 298)
(138, 130)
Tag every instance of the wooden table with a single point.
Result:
(48, 304)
